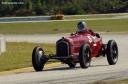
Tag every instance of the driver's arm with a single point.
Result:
(92, 33)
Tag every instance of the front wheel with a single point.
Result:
(112, 52)
(85, 56)
(38, 59)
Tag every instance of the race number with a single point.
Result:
(90, 39)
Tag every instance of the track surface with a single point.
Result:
(47, 18)
(99, 70)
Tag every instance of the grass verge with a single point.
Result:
(91, 16)
(18, 55)
(113, 25)
(125, 81)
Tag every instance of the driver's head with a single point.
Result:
(81, 26)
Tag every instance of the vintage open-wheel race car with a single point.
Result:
(77, 48)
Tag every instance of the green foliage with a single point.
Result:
(67, 7)
(72, 9)
(29, 5)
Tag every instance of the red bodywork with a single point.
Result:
(77, 40)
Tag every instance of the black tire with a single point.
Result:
(85, 56)
(37, 56)
(112, 52)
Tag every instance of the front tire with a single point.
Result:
(85, 56)
(37, 56)
(112, 52)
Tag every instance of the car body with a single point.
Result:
(77, 48)
(70, 46)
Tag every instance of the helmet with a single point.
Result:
(81, 26)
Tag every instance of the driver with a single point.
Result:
(82, 28)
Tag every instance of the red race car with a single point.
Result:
(77, 48)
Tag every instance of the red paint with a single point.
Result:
(78, 39)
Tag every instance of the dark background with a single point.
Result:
(66, 7)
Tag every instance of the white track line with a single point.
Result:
(64, 20)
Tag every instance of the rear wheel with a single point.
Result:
(38, 59)
(112, 52)
(85, 56)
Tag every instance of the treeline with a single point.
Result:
(67, 7)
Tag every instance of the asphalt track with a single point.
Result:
(99, 70)
(47, 18)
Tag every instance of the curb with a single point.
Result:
(28, 69)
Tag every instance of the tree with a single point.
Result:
(48, 7)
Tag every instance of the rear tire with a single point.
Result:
(112, 52)
(38, 59)
(85, 56)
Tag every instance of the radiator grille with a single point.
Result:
(62, 48)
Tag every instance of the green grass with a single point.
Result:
(93, 16)
(18, 55)
(119, 25)
(90, 16)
